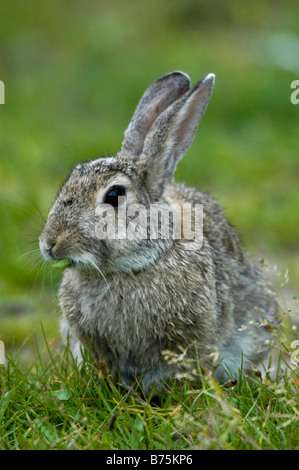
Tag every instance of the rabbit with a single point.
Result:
(146, 306)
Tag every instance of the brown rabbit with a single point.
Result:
(130, 299)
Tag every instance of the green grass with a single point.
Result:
(55, 405)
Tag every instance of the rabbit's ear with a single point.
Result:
(158, 97)
(171, 135)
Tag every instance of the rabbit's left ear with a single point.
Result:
(171, 135)
(158, 97)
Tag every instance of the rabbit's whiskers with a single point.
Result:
(30, 252)
(89, 260)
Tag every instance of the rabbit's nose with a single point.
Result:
(46, 247)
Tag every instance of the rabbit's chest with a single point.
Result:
(116, 311)
(138, 313)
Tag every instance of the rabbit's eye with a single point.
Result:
(113, 194)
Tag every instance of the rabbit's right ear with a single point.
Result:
(158, 97)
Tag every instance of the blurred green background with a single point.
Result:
(73, 74)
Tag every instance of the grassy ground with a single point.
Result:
(54, 405)
(73, 75)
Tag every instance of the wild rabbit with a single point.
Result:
(133, 298)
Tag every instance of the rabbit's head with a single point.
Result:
(98, 218)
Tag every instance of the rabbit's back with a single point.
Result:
(247, 309)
